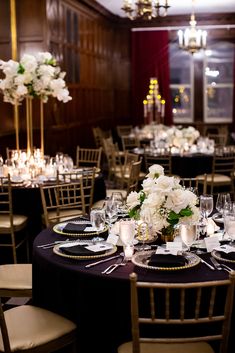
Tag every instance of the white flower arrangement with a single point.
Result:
(33, 76)
(163, 202)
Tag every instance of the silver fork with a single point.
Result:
(120, 262)
(219, 266)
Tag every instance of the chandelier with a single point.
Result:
(192, 39)
(145, 9)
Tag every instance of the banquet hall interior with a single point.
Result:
(93, 93)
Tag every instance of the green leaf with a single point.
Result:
(21, 69)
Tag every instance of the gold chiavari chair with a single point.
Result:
(13, 227)
(182, 317)
(129, 142)
(223, 168)
(88, 157)
(16, 280)
(86, 177)
(220, 139)
(164, 159)
(195, 184)
(31, 329)
(113, 157)
(61, 202)
(124, 130)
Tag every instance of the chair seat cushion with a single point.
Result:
(196, 347)
(30, 326)
(64, 215)
(18, 221)
(16, 276)
(218, 178)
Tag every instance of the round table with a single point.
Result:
(98, 303)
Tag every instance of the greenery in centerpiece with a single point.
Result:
(163, 202)
(33, 76)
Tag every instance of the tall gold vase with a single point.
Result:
(29, 125)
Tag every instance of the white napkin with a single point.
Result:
(226, 248)
(211, 227)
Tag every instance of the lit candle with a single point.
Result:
(128, 251)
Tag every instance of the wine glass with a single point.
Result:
(110, 210)
(97, 218)
(188, 233)
(206, 205)
(118, 198)
(229, 225)
(223, 203)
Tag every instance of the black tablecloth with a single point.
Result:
(99, 304)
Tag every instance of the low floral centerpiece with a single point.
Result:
(163, 202)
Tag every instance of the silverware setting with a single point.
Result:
(207, 264)
(120, 262)
(220, 266)
(101, 261)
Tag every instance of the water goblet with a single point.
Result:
(229, 225)
(223, 203)
(97, 218)
(118, 198)
(110, 210)
(188, 233)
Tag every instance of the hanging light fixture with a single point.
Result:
(145, 9)
(192, 39)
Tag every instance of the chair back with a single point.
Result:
(223, 164)
(56, 199)
(220, 139)
(86, 177)
(129, 142)
(98, 136)
(113, 156)
(88, 157)
(165, 160)
(124, 130)
(181, 312)
(194, 184)
(134, 176)
(6, 208)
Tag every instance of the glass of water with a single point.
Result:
(188, 233)
(206, 205)
(97, 218)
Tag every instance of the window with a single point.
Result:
(218, 83)
(182, 78)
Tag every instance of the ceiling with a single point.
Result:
(179, 7)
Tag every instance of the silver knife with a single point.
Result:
(101, 261)
(208, 265)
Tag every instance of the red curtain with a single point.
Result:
(150, 59)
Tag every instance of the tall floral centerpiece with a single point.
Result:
(33, 76)
(163, 202)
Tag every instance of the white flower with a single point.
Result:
(165, 184)
(133, 200)
(149, 185)
(155, 171)
(179, 199)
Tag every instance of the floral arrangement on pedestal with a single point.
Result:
(163, 202)
(33, 76)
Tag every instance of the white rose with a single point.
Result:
(132, 200)
(29, 62)
(165, 184)
(154, 200)
(43, 56)
(178, 199)
(155, 171)
(148, 185)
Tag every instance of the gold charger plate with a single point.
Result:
(217, 217)
(109, 252)
(218, 256)
(58, 228)
(141, 259)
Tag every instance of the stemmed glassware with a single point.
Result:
(223, 203)
(127, 234)
(188, 233)
(118, 198)
(110, 210)
(206, 207)
(97, 218)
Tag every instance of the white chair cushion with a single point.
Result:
(30, 326)
(196, 347)
(18, 220)
(218, 178)
(65, 214)
(16, 276)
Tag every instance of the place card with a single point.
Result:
(112, 239)
(99, 247)
(90, 229)
(211, 243)
(174, 247)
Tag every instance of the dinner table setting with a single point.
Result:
(81, 267)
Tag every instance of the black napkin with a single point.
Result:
(229, 256)
(169, 260)
(74, 228)
(79, 250)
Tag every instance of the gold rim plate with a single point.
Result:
(217, 217)
(109, 252)
(58, 228)
(218, 256)
(141, 259)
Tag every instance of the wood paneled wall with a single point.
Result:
(94, 51)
